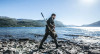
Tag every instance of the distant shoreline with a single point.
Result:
(12, 22)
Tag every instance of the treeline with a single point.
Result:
(12, 22)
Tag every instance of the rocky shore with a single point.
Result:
(30, 46)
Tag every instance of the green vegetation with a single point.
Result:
(12, 22)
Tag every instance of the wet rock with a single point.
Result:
(3, 40)
(25, 39)
(4, 44)
(12, 39)
(73, 50)
(8, 52)
(81, 53)
(1, 52)
(0, 45)
(94, 51)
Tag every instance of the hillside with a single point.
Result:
(12, 22)
(95, 24)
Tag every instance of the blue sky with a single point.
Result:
(70, 12)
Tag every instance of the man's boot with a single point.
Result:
(41, 47)
(58, 46)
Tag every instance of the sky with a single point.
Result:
(69, 12)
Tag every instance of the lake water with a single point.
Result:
(63, 32)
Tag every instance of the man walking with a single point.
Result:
(50, 30)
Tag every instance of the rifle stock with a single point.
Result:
(47, 24)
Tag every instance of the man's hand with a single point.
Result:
(54, 26)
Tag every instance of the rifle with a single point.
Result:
(51, 30)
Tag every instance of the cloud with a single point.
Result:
(88, 2)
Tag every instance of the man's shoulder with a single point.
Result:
(50, 18)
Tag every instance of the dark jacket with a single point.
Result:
(50, 22)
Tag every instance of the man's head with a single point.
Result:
(53, 16)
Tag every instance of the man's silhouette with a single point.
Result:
(50, 30)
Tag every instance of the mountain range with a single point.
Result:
(12, 22)
(95, 24)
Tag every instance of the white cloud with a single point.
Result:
(88, 2)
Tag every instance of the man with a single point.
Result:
(50, 30)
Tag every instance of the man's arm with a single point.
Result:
(50, 22)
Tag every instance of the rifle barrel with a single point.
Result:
(46, 21)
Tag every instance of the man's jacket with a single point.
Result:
(50, 22)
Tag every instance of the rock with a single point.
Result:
(12, 39)
(4, 44)
(73, 50)
(0, 45)
(95, 51)
(81, 53)
(1, 52)
(3, 40)
(25, 39)
(8, 52)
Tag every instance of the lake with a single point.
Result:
(63, 32)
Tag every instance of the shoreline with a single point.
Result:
(30, 46)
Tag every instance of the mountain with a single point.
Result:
(12, 22)
(7, 22)
(95, 24)
(72, 26)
